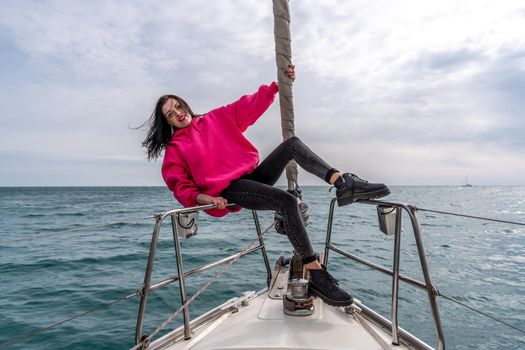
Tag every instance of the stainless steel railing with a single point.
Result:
(394, 272)
(180, 277)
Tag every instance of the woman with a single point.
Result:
(208, 160)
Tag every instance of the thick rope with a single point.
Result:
(202, 289)
(283, 58)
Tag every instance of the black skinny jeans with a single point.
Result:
(256, 191)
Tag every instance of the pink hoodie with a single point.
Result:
(212, 151)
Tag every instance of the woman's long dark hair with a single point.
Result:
(159, 132)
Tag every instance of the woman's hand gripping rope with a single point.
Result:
(290, 72)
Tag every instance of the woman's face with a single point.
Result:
(176, 114)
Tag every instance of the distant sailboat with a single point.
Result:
(466, 183)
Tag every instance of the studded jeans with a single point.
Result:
(256, 191)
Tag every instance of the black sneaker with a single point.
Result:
(351, 188)
(323, 285)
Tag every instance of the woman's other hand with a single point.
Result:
(204, 199)
(290, 72)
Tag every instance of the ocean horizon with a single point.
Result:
(65, 250)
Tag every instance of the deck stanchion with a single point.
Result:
(426, 274)
(263, 247)
(180, 271)
(147, 287)
(395, 278)
(328, 232)
(147, 279)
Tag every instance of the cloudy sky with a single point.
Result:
(405, 92)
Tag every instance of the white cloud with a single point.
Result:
(93, 41)
(379, 83)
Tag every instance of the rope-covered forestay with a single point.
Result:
(283, 58)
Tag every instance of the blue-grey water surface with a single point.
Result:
(54, 277)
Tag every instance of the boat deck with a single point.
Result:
(262, 325)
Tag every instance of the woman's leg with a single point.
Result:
(349, 187)
(271, 168)
(251, 194)
(258, 196)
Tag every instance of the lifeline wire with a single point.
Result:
(56, 324)
(480, 312)
(31, 238)
(470, 216)
(204, 287)
(34, 237)
(457, 301)
(24, 336)
(36, 332)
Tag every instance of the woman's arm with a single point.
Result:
(249, 108)
(180, 183)
(204, 199)
(178, 179)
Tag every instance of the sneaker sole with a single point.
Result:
(363, 196)
(330, 301)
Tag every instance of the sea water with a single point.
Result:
(86, 247)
